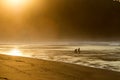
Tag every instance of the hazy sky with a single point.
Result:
(59, 20)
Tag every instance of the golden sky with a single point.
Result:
(51, 20)
(26, 20)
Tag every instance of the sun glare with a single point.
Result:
(15, 52)
(16, 4)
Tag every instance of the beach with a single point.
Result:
(22, 68)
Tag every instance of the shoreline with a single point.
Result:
(67, 63)
(22, 68)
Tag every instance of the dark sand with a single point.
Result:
(19, 68)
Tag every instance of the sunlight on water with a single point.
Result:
(15, 52)
(98, 56)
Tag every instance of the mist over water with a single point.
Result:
(105, 55)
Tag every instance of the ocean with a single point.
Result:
(104, 55)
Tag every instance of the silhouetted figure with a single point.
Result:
(79, 50)
(75, 51)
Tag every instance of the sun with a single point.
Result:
(15, 52)
(16, 4)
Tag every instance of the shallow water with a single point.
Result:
(98, 56)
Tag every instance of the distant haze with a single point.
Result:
(62, 20)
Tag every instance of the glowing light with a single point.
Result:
(16, 4)
(15, 52)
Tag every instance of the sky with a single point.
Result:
(59, 20)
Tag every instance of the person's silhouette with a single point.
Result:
(79, 50)
(75, 51)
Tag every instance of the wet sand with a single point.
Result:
(20, 68)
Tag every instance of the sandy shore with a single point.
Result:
(19, 68)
